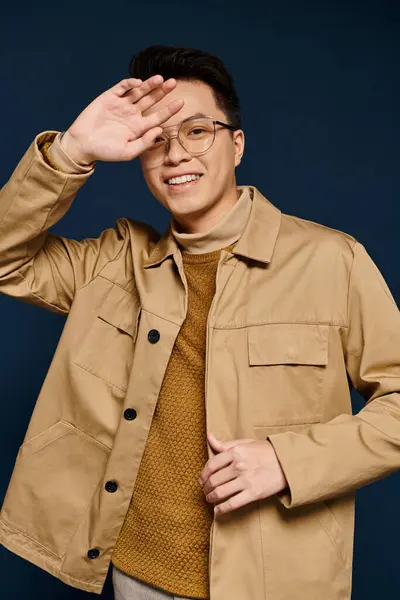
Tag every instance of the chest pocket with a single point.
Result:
(107, 349)
(287, 366)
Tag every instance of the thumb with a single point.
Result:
(232, 443)
(214, 443)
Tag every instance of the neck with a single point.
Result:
(200, 223)
(226, 231)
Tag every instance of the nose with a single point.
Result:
(176, 153)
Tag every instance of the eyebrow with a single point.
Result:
(198, 114)
(195, 116)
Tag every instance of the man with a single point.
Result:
(195, 426)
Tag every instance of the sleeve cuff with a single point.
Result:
(59, 160)
(289, 496)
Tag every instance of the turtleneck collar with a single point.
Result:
(227, 231)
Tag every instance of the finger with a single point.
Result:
(225, 490)
(148, 86)
(232, 443)
(217, 462)
(233, 503)
(219, 478)
(142, 143)
(125, 86)
(221, 446)
(215, 443)
(164, 114)
(145, 101)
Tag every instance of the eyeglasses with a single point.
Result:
(196, 135)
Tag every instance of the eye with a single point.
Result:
(199, 130)
(158, 142)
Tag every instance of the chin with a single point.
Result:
(185, 204)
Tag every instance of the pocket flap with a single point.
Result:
(288, 343)
(121, 309)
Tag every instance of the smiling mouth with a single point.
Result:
(182, 186)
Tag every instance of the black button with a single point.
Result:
(130, 414)
(111, 486)
(93, 553)
(153, 336)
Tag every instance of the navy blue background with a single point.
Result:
(320, 95)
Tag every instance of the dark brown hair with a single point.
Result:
(190, 64)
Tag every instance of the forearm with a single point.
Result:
(340, 456)
(35, 198)
(349, 451)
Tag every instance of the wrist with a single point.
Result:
(73, 150)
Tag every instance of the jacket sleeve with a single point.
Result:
(350, 451)
(60, 160)
(36, 266)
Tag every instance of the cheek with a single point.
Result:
(221, 161)
(155, 186)
(151, 178)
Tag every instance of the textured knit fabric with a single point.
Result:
(165, 537)
(48, 158)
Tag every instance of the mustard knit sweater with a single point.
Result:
(164, 540)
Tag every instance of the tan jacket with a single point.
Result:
(300, 312)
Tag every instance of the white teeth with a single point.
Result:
(183, 179)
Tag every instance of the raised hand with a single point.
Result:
(112, 127)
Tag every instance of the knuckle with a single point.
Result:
(211, 481)
(248, 484)
(236, 453)
(240, 465)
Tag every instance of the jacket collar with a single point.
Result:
(256, 242)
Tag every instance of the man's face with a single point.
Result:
(198, 206)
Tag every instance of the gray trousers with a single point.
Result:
(129, 588)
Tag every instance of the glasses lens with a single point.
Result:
(197, 135)
(156, 152)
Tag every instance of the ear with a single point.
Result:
(238, 143)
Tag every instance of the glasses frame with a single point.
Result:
(170, 137)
